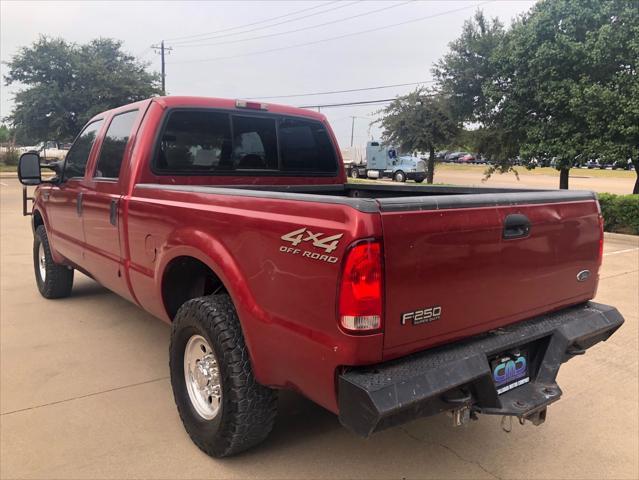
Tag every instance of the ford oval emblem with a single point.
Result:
(583, 275)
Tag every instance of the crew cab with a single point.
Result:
(233, 221)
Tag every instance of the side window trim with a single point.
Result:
(75, 140)
(127, 148)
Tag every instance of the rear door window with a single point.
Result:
(76, 159)
(114, 145)
(195, 141)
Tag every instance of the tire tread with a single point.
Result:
(249, 414)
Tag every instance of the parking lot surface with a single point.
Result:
(85, 394)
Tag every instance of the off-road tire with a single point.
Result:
(248, 409)
(58, 281)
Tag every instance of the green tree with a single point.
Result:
(610, 104)
(560, 84)
(5, 134)
(465, 70)
(463, 75)
(421, 121)
(66, 84)
(553, 69)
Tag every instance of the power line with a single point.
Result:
(310, 27)
(205, 34)
(361, 32)
(350, 90)
(364, 102)
(348, 104)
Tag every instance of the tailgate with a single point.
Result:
(450, 272)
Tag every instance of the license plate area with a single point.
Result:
(517, 366)
(510, 370)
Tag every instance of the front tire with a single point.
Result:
(242, 412)
(53, 280)
(354, 173)
(399, 176)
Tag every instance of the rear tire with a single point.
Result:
(246, 410)
(53, 280)
(354, 173)
(419, 180)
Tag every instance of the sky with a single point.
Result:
(246, 49)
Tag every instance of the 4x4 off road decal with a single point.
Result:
(327, 243)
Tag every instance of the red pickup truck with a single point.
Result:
(233, 221)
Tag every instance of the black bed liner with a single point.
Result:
(389, 198)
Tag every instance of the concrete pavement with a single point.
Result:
(84, 393)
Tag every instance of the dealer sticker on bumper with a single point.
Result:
(509, 371)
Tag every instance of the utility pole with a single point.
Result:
(352, 129)
(162, 50)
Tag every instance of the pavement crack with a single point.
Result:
(455, 453)
(79, 397)
(618, 274)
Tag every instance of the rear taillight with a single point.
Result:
(360, 289)
(601, 239)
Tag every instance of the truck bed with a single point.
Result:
(374, 198)
(453, 267)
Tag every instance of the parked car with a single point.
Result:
(48, 150)
(593, 164)
(622, 164)
(233, 221)
(454, 156)
(468, 158)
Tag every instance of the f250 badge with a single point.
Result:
(425, 315)
(327, 243)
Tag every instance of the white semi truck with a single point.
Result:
(383, 161)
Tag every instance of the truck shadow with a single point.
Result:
(88, 288)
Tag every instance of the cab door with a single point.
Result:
(102, 204)
(64, 201)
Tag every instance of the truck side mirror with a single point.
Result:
(29, 172)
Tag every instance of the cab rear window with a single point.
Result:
(200, 142)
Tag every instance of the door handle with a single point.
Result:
(516, 225)
(113, 212)
(78, 205)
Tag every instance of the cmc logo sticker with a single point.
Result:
(510, 373)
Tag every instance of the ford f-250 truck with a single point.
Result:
(233, 222)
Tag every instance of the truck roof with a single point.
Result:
(224, 103)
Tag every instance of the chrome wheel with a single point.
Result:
(42, 263)
(202, 377)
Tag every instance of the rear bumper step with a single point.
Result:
(458, 376)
